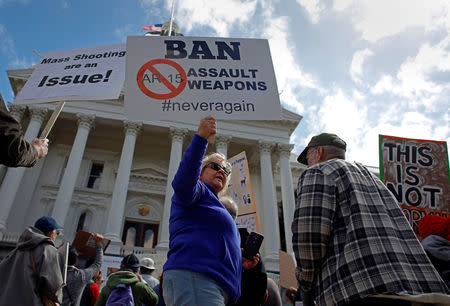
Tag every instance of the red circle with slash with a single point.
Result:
(174, 91)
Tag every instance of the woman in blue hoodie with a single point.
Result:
(204, 262)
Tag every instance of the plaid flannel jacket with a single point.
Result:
(352, 240)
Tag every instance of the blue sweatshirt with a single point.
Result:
(203, 236)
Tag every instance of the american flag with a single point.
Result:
(153, 28)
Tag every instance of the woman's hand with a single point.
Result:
(207, 127)
(248, 264)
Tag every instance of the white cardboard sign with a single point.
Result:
(95, 73)
(172, 78)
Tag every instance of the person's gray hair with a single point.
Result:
(230, 205)
(223, 160)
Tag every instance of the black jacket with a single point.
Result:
(15, 151)
(253, 281)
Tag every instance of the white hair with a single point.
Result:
(223, 160)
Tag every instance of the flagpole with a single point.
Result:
(171, 18)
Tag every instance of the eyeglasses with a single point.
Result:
(217, 167)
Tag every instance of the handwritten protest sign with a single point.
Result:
(417, 173)
(175, 77)
(95, 73)
(240, 190)
(287, 270)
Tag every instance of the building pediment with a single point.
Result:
(151, 171)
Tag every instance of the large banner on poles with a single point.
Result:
(417, 173)
(95, 73)
(192, 77)
(240, 189)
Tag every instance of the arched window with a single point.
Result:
(84, 221)
(148, 238)
(130, 236)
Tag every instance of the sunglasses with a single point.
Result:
(217, 167)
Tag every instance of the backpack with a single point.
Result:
(121, 295)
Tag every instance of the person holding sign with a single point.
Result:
(78, 278)
(204, 262)
(15, 150)
(352, 242)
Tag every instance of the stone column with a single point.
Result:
(177, 136)
(222, 144)
(270, 209)
(17, 111)
(119, 197)
(64, 197)
(287, 192)
(13, 177)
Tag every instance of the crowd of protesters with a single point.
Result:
(352, 242)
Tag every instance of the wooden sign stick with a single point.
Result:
(52, 120)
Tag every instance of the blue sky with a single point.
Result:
(357, 68)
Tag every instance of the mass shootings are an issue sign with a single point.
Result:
(192, 77)
(95, 73)
(417, 173)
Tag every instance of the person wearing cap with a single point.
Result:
(129, 275)
(352, 242)
(147, 268)
(31, 273)
(15, 151)
(204, 261)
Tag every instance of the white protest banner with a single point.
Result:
(95, 73)
(240, 190)
(177, 77)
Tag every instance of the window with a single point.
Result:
(84, 221)
(95, 175)
(148, 238)
(130, 238)
(140, 234)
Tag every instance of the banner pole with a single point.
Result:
(171, 18)
(52, 120)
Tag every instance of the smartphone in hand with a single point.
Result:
(252, 245)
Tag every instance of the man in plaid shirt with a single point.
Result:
(351, 239)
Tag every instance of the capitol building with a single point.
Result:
(106, 174)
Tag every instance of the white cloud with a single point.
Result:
(356, 68)
(340, 114)
(383, 18)
(313, 7)
(7, 44)
(8, 48)
(290, 77)
(152, 8)
(217, 14)
(414, 79)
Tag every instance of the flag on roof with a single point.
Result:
(153, 28)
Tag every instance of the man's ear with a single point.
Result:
(321, 154)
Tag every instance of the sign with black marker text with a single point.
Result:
(193, 77)
(95, 73)
(417, 173)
